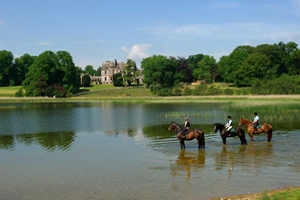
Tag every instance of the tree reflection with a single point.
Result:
(188, 162)
(50, 141)
(7, 142)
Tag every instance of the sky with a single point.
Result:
(94, 31)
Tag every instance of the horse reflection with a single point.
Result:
(250, 158)
(188, 162)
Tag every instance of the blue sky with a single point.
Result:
(95, 31)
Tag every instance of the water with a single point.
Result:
(124, 151)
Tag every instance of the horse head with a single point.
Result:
(218, 126)
(241, 123)
(172, 126)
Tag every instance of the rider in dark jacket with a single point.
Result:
(186, 128)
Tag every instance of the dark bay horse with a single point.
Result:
(195, 133)
(265, 128)
(238, 131)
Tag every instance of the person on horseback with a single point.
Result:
(228, 126)
(186, 128)
(255, 122)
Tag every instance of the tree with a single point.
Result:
(6, 62)
(159, 72)
(90, 70)
(129, 72)
(235, 61)
(255, 67)
(86, 81)
(207, 69)
(20, 68)
(183, 72)
(222, 66)
(57, 69)
(98, 72)
(71, 80)
(117, 79)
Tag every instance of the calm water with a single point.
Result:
(124, 151)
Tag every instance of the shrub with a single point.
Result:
(86, 81)
(214, 91)
(187, 91)
(200, 90)
(117, 80)
(177, 91)
(165, 92)
(19, 93)
(228, 92)
(49, 91)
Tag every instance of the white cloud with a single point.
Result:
(44, 43)
(138, 51)
(2, 22)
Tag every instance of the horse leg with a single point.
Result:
(269, 135)
(199, 143)
(224, 140)
(181, 143)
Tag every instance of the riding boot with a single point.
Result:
(183, 136)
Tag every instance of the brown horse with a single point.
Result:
(265, 128)
(238, 131)
(195, 133)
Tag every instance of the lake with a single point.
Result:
(125, 151)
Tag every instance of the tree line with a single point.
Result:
(245, 66)
(47, 74)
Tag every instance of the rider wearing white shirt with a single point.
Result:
(256, 121)
(228, 126)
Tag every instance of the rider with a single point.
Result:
(256, 121)
(186, 127)
(228, 126)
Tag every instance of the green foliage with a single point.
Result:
(200, 90)
(98, 72)
(207, 69)
(86, 81)
(165, 92)
(6, 63)
(90, 70)
(19, 93)
(159, 72)
(187, 91)
(117, 79)
(128, 72)
(285, 84)
(228, 91)
(235, 61)
(55, 69)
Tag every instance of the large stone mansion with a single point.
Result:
(109, 68)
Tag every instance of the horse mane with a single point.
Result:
(219, 124)
(177, 124)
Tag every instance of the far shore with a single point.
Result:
(175, 99)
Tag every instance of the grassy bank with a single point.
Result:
(281, 194)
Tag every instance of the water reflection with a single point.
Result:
(129, 132)
(250, 158)
(50, 141)
(188, 162)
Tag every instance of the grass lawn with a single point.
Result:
(9, 91)
(119, 92)
(96, 87)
